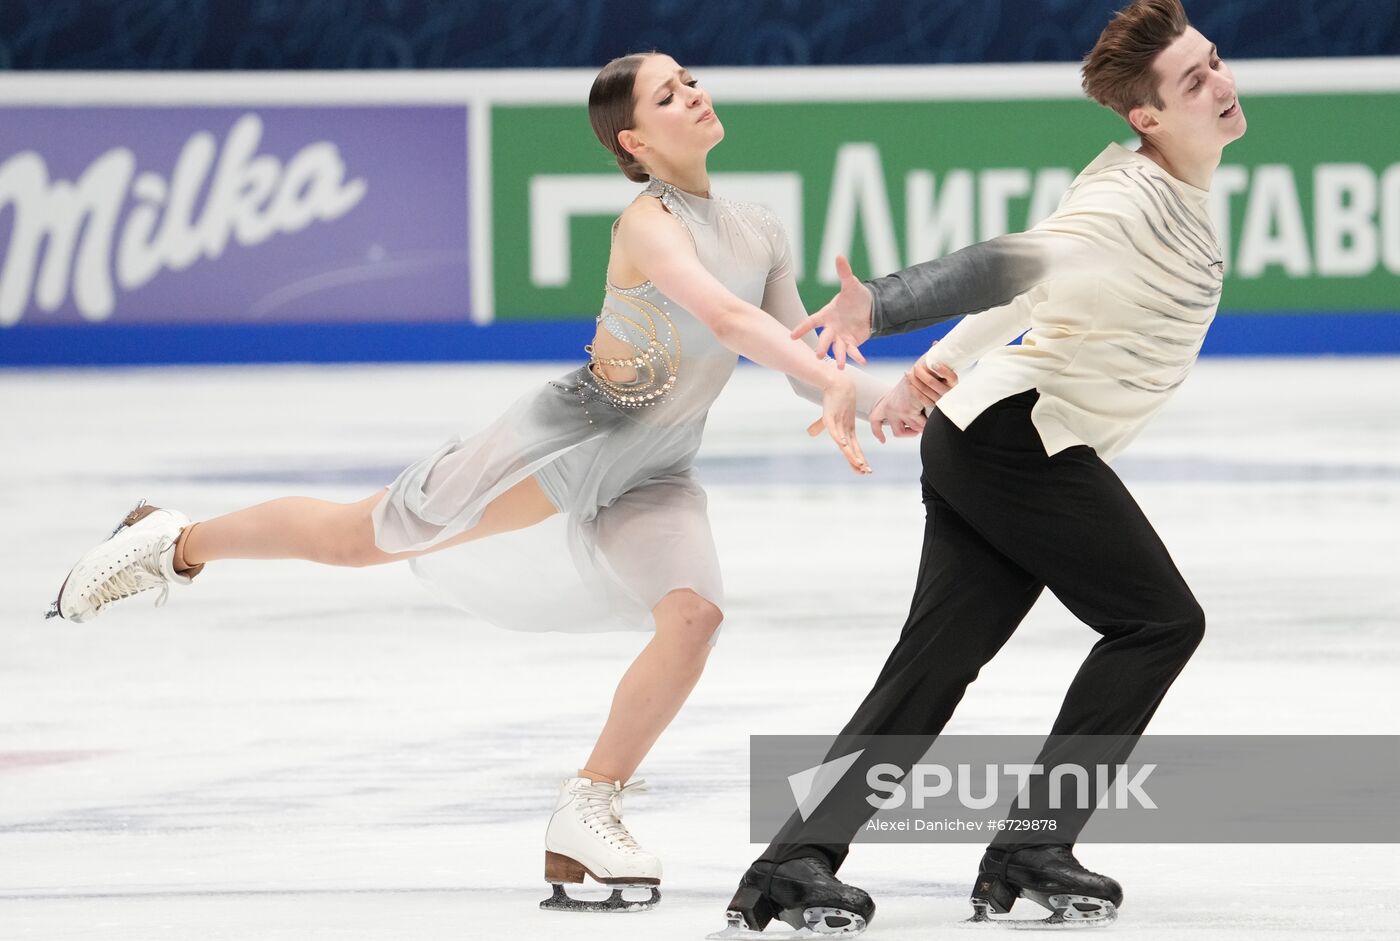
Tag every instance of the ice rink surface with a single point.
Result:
(294, 752)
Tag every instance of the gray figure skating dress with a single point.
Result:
(613, 457)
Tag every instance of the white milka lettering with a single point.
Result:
(251, 198)
(55, 216)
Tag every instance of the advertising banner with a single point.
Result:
(1307, 204)
(465, 215)
(129, 215)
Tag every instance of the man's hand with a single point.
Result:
(932, 385)
(845, 320)
(902, 408)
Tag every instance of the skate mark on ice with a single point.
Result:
(14, 761)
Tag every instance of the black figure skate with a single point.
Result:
(801, 892)
(1050, 876)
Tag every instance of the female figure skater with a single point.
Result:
(692, 281)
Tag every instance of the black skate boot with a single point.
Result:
(802, 892)
(1050, 876)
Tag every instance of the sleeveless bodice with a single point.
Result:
(676, 364)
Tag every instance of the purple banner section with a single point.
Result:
(233, 215)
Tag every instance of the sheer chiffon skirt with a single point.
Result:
(632, 523)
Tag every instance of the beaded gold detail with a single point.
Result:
(637, 291)
(657, 364)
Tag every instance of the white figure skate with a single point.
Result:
(137, 557)
(586, 835)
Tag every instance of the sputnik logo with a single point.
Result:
(810, 787)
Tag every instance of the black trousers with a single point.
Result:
(1003, 522)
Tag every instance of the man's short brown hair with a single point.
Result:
(1118, 71)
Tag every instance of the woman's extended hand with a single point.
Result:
(839, 420)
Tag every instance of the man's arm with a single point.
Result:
(1076, 239)
(979, 277)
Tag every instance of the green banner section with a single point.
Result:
(1311, 193)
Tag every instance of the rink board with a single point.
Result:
(1289, 334)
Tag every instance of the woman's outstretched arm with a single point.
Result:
(659, 247)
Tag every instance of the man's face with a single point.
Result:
(1198, 89)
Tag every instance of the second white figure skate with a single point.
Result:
(586, 836)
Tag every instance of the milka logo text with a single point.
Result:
(250, 198)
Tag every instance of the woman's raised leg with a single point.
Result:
(338, 533)
(156, 548)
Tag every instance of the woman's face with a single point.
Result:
(673, 118)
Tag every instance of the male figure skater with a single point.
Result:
(1114, 293)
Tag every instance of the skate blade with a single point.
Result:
(560, 901)
(1067, 911)
(56, 606)
(821, 923)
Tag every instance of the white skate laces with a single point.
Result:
(602, 812)
(138, 575)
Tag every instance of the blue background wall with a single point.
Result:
(435, 34)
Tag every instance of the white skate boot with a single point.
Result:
(138, 556)
(586, 835)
